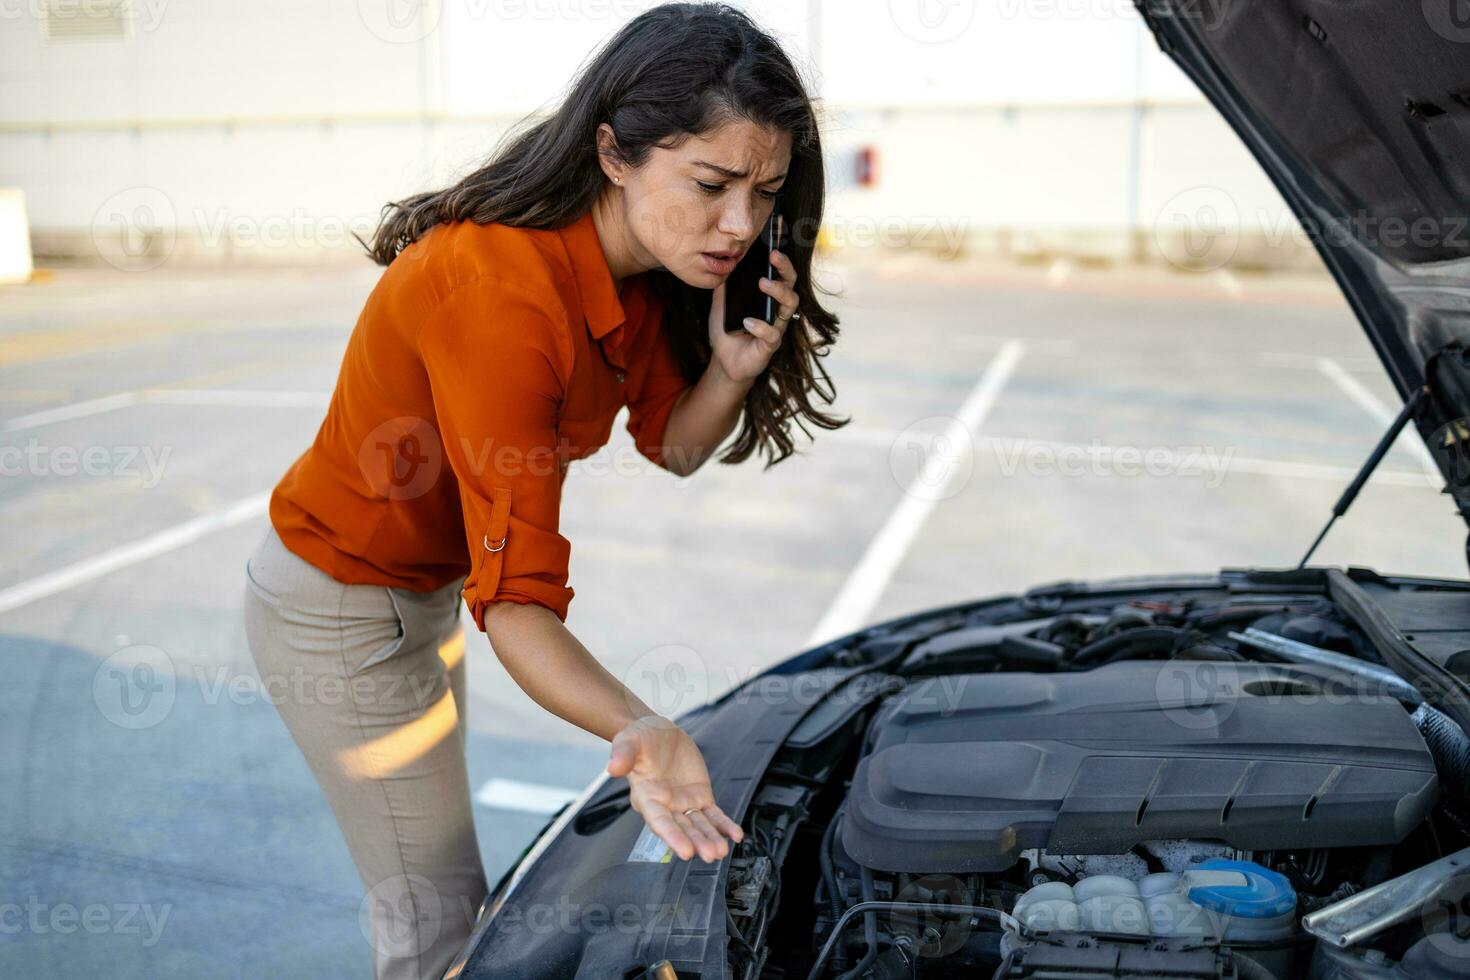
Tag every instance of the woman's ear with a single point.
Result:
(607, 153)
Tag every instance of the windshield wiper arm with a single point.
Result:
(1376, 457)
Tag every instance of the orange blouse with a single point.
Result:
(485, 360)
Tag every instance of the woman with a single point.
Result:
(520, 310)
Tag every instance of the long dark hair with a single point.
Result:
(676, 70)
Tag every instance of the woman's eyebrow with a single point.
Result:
(733, 173)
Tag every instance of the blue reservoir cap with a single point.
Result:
(1265, 894)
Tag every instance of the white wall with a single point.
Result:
(269, 128)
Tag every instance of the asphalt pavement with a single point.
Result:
(1011, 425)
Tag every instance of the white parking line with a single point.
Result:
(512, 794)
(234, 397)
(77, 410)
(1408, 440)
(866, 582)
(131, 554)
(1313, 362)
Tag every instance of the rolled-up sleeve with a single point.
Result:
(658, 390)
(495, 359)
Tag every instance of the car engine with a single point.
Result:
(968, 771)
(1154, 787)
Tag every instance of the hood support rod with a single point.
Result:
(1379, 451)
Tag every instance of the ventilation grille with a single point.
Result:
(87, 20)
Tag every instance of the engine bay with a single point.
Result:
(1203, 783)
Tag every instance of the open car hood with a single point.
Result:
(1360, 114)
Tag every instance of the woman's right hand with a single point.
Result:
(666, 776)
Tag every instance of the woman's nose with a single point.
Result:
(738, 220)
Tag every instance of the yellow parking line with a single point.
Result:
(40, 345)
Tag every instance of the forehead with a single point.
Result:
(739, 145)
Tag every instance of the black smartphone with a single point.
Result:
(743, 294)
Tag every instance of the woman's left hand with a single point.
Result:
(743, 356)
(666, 776)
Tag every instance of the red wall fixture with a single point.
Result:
(865, 166)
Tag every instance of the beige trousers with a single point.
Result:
(370, 682)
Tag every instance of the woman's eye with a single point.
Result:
(716, 188)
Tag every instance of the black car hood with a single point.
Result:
(1360, 113)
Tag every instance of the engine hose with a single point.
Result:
(1248, 969)
(1145, 639)
(1311, 903)
(1449, 746)
(870, 931)
(829, 877)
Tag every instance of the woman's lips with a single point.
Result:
(719, 266)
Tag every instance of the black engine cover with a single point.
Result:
(966, 771)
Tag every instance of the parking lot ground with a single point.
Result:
(1010, 426)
